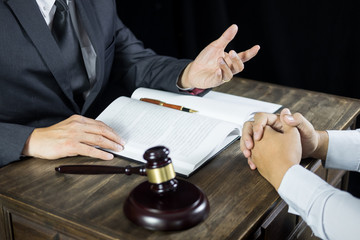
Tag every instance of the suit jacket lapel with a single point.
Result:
(29, 16)
(93, 29)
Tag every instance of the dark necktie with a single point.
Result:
(64, 34)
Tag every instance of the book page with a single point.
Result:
(218, 105)
(190, 137)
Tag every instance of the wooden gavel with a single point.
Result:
(176, 204)
(159, 170)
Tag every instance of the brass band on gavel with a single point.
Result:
(160, 175)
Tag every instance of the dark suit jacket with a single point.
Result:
(35, 90)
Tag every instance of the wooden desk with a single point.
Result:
(38, 203)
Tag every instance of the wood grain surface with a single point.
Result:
(90, 206)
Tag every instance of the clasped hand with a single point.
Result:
(273, 143)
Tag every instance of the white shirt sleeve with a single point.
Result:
(330, 212)
(344, 150)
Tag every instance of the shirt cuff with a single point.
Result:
(192, 91)
(184, 89)
(343, 150)
(299, 187)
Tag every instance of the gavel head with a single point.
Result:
(160, 170)
(155, 205)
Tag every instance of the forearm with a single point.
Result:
(184, 81)
(156, 72)
(342, 216)
(14, 137)
(322, 147)
(329, 212)
(344, 150)
(137, 66)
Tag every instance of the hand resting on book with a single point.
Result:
(74, 136)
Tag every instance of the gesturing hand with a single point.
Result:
(213, 66)
(76, 135)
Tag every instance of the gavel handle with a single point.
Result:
(99, 169)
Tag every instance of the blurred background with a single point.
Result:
(306, 44)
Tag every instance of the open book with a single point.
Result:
(192, 138)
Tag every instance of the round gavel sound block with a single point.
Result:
(163, 202)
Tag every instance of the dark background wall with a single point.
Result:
(310, 44)
(304, 43)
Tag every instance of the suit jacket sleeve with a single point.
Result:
(135, 66)
(14, 136)
(40, 99)
(140, 67)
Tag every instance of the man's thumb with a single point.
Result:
(296, 120)
(287, 118)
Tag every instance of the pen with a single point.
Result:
(177, 107)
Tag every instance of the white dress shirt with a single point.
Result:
(47, 9)
(330, 212)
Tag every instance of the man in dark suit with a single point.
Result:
(45, 112)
